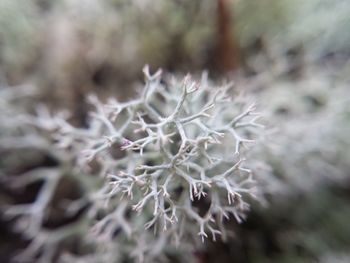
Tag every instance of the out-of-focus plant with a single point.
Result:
(319, 26)
(313, 122)
(19, 37)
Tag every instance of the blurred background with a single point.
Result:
(293, 56)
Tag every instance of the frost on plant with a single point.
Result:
(171, 167)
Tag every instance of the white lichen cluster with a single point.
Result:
(167, 168)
